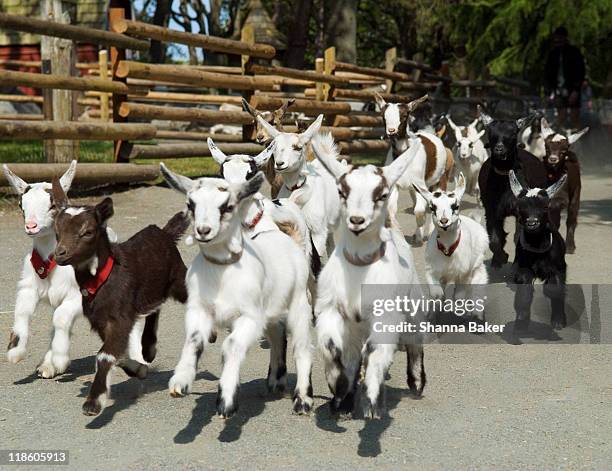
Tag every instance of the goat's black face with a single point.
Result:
(502, 141)
(533, 210)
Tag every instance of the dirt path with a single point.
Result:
(545, 407)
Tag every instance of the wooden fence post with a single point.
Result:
(247, 35)
(330, 69)
(390, 61)
(121, 149)
(45, 68)
(320, 69)
(104, 98)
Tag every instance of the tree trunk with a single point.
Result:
(298, 35)
(161, 17)
(341, 28)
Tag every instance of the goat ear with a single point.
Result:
(414, 104)
(216, 153)
(478, 136)
(424, 192)
(68, 176)
(484, 117)
(552, 189)
(104, 210)
(451, 123)
(440, 132)
(521, 122)
(249, 109)
(473, 124)
(307, 135)
(176, 181)
(58, 194)
(263, 157)
(18, 184)
(271, 130)
(250, 187)
(515, 184)
(546, 129)
(577, 135)
(380, 101)
(396, 169)
(328, 159)
(459, 186)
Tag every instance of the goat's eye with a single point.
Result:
(190, 205)
(383, 197)
(87, 234)
(455, 207)
(341, 193)
(297, 147)
(433, 208)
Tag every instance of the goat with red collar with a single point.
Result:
(456, 250)
(41, 279)
(121, 284)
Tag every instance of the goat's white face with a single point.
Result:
(290, 148)
(444, 205)
(35, 201)
(238, 168)
(392, 115)
(466, 144)
(215, 204)
(364, 192)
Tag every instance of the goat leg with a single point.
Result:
(415, 369)
(277, 371)
(554, 289)
(523, 297)
(497, 241)
(149, 336)
(572, 221)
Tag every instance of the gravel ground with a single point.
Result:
(504, 406)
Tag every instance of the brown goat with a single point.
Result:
(120, 284)
(558, 161)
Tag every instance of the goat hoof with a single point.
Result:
(92, 407)
(302, 406)
(499, 260)
(570, 249)
(558, 324)
(225, 410)
(371, 411)
(15, 355)
(46, 370)
(178, 388)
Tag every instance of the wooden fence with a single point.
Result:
(122, 97)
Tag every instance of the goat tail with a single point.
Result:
(177, 226)
(326, 143)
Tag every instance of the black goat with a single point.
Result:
(495, 193)
(540, 253)
(120, 284)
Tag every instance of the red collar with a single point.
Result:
(254, 221)
(297, 186)
(91, 286)
(448, 252)
(42, 267)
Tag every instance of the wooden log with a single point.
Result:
(104, 98)
(415, 64)
(22, 117)
(37, 64)
(416, 86)
(345, 66)
(188, 98)
(86, 174)
(139, 110)
(175, 151)
(366, 121)
(390, 62)
(474, 83)
(75, 130)
(186, 74)
(21, 98)
(209, 43)
(299, 74)
(364, 146)
(365, 95)
(197, 136)
(346, 134)
(512, 82)
(264, 103)
(67, 31)
(27, 79)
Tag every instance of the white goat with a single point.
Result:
(456, 250)
(470, 154)
(307, 184)
(432, 165)
(367, 252)
(254, 285)
(41, 279)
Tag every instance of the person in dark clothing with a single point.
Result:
(564, 74)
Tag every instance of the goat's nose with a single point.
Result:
(31, 225)
(499, 147)
(391, 131)
(444, 221)
(203, 230)
(357, 220)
